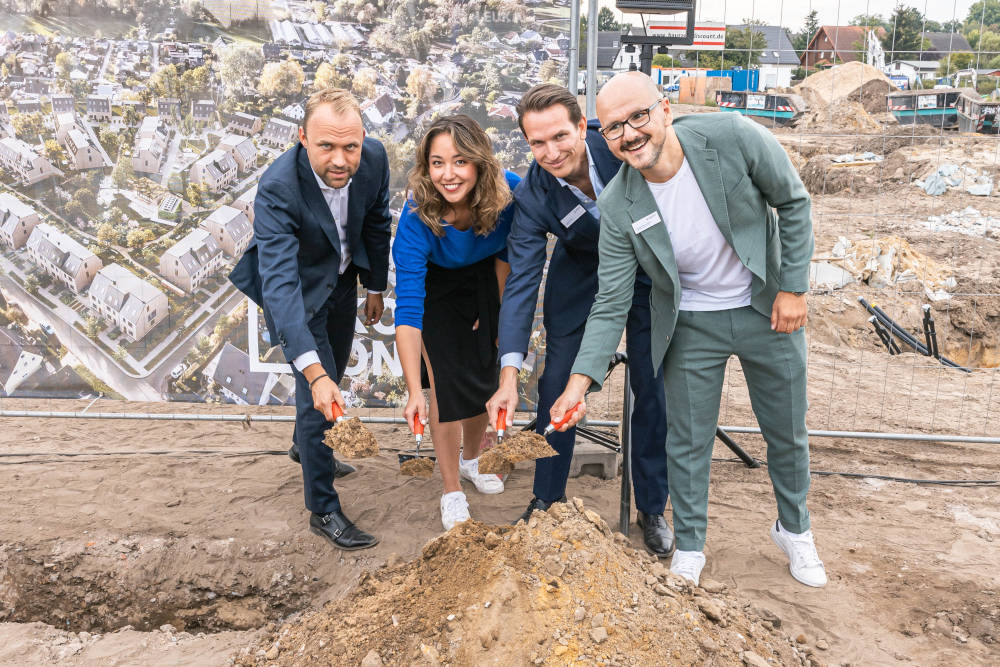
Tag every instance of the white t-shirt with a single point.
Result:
(711, 274)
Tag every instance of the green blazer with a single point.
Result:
(746, 178)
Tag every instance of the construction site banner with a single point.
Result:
(131, 145)
(708, 36)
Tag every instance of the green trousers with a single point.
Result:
(774, 365)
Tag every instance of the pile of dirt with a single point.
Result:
(854, 81)
(822, 176)
(351, 439)
(557, 590)
(521, 446)
(890, 260)
(421, 466)
(843, 115)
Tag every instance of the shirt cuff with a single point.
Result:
(514, 359)
(305, 360)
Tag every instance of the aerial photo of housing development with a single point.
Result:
(132, 137)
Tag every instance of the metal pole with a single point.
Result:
(207, 417)
(625, 508)
(167, 416)
(574, 46)
(592, 58)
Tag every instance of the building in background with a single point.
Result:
(63, 258)
(190, 261)
(134, 305)
(17, 221)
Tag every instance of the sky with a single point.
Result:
(792, 13)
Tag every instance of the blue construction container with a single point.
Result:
(743, 79)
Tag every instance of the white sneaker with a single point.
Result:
(454, 509)
(484, 483)
(804, 562)
(688, 564)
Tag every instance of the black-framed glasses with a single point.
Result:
(638, 118)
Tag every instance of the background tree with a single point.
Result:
(64, 64)
(282, 80)
(364, 83)
(110, 139)
(93, 327)
(743, 49)
(327, 76)
(137, 238)
(548, 70)
(195, 82)
(985, 13)
(165, 82)
(469, 94)
(904, 40)
(605, 22)
(31, 284)
(663, 60)
(870, 21)
(27, 126)
(810, 27)
(420, 86)
(239, 68)
(106, 233)
(954, 62)
(123, 173)
(54, 151)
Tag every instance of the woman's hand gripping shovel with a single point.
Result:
(414, 464)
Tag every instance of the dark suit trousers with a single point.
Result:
(333, 330)
(649, 425)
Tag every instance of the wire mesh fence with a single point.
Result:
(904, 212)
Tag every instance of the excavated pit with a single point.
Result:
(108, 584)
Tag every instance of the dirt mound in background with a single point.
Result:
(843, 115)
(556, 590)
(822, 176)
(854, 81)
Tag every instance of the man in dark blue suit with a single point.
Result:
(321, 223)
(557, 197)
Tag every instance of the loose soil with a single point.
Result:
(123, 556)
(514, 448)
(557, 590)
(351, 439)
(421, 466)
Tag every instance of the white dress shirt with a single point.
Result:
(516, 359)
(336, 199)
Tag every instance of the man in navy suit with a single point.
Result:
(572, 164)
(321, 223)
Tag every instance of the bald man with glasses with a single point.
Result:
(711, 208)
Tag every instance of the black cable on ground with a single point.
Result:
(889, 478)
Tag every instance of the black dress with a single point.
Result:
(464, 361)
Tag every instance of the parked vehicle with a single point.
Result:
(178, 370)
(929, 107)
(769, 109)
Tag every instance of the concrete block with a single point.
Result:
(592, 459)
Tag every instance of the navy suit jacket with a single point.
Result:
(292, 264)
(571, 285)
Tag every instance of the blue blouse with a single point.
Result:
(415, 245)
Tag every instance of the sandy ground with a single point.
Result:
(216, 546)
(125, 556)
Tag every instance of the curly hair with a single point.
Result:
(491, 193)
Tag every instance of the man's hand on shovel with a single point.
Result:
(570, 407)
(325, 391)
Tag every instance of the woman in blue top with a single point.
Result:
(450, 256)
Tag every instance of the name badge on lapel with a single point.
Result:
(571, 217)
(644, 223)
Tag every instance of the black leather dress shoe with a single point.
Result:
(340, 469)
(340, 532)
(656, 534)
(536, 504)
